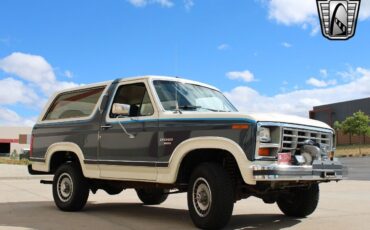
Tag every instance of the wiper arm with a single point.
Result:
(213, 110)
(194, 107)
(189, 107)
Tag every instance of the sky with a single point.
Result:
(265, 55)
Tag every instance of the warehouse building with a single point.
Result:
(339, 112)
(14, 139)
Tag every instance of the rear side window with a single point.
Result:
(74, 104)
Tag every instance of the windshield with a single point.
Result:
(183, 96)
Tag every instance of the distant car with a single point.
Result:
(24, 154)
(161, 135)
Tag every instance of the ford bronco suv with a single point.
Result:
(163, 135)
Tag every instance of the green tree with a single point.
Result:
(337, 128)
(357, 124)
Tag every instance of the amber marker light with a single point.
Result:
(240, 126)
(331, 155)
(264, 152)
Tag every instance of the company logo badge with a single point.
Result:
(338, 18)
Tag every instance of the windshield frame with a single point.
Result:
(183, 81)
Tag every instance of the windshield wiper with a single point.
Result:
(194, 107)
(213, 110)
(189, 107)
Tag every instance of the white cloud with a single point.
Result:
(299, 102)
(143, 3)
(31, 81)
(245, 75)
(323, 73)
(188, 4)
(34, 69)
(138, 3)
(14, 91)
(350, 74)
(68, 74)
(223, 46)
(289, 12)
(294, 12)
(29, 67)
(303, 13)
(286, 44)
(11, 118)
(320, 83)
(365, 10)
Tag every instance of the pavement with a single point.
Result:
(358, 167)
(27, 204)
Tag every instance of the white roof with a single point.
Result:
(168, 78)
(148, 77)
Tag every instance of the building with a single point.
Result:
(339, 112)
(14, 138)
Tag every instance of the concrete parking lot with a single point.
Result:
(27, 204)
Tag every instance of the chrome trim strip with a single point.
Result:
(37, 159)
(289, 125)
(128, 163)
(325, 170)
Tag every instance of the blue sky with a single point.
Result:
(266, 55)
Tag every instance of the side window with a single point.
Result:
(74, 104)
(137, 97)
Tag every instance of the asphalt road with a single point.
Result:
(27, 204)
(358, 167)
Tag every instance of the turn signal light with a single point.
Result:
(31, 146)
(240, 126)
(331, 155)
(264, 152)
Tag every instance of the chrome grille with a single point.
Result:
(293, 137)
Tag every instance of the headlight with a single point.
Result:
(264, 135)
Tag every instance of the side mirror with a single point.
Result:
(121, 109)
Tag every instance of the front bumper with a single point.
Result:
(318, 171)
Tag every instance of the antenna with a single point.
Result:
(176, 60)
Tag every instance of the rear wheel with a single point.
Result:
(300, 202)
(152, 196)
(70, 188)
(210, 196)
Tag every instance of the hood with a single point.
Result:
(263, 117)
(291, 119)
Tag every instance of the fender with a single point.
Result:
(91, 171)
(169, 174)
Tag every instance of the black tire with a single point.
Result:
(210, 196)
(152, 196)
(300, 202)
(70, 188)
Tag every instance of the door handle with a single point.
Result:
(106, 126)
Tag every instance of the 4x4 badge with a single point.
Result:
(338, 18)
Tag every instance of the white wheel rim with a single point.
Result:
(65, 187)
(202, 197)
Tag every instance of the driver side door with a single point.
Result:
(131, 154)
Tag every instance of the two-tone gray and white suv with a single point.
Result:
(161, 135)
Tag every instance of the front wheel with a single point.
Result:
(299, 202)
(70, 188)
(210, 196)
